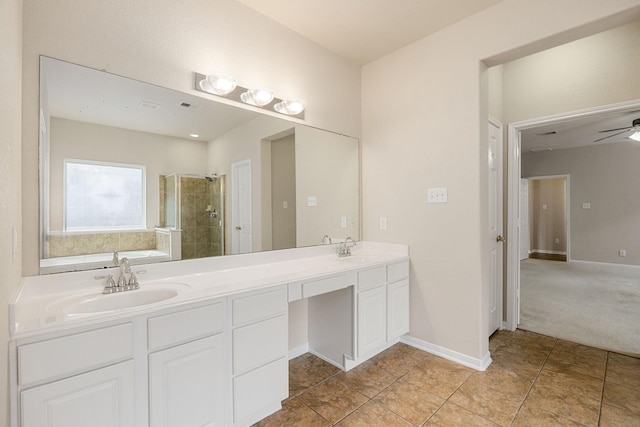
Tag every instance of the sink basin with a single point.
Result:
(99, 303)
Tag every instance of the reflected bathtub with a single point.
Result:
(103, 260)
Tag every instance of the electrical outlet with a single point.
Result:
(622, 252)
(285, 204)
(343, 221)
(312, 201)
(383, 223)
(557, 240)
(437, 195)
(586, 206)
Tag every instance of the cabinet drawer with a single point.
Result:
(74, 354)
(372, 278)
(257, 344)
(259, 306)
(398, 271)
(185, 326)
(323, 286)
(260, 388)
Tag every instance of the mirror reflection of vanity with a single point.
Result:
(121, 171)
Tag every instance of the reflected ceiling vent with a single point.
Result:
(553, 132)
(537, 150)
(149, 105)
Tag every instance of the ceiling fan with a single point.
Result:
(635, 125)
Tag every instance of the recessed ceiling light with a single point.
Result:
(194, 135)
(635, 136)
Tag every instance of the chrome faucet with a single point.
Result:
(345, 248)
(326, 240)
(116, 262)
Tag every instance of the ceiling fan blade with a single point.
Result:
(612, 130)
(611, 136)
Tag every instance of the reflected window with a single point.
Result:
(104, 196)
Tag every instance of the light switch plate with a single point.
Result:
(586, 206)
(312, 201)
(437, 195)
(343, 221)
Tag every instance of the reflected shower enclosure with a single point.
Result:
(195, 205)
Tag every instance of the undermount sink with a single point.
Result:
(98, 303)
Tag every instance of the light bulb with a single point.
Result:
(257, 97)
(290, 107)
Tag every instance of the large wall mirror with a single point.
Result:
(132, 169)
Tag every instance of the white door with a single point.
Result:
(525, 237)
(397, 309)
(187, 383)
(241, 242)
(372, 319)
(496, 238)
(100, 398)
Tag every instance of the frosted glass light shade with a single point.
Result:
(218, 84)
(257, 97)
(635, 136)
(290, 107)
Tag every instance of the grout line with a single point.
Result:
(534, 381)
(604, 384)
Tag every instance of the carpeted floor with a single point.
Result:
(592, 304)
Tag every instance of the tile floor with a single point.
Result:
(534, 380)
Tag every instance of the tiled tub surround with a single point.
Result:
(95, 250)
(256, 283)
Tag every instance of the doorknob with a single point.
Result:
(500, 239)
(238, 227)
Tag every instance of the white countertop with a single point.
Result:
(33, 311)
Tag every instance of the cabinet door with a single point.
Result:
(186, 384)
(372, 319)
(100, 398)
(397, 309)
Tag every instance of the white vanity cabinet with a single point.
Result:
(186, 368)
(260, 370)
(65, 381)
(382, 307)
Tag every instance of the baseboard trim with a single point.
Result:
(454, 356)
(298, 351)
(606, 264)
(545, 251)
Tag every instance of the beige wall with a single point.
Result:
(594, 71)
(163, 42)
(160, 154)
(428, 129)
(10, 175)
(547, 215)
(606, 176)
(283, 189)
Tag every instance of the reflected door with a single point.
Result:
(241, 241)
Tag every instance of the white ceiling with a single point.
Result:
(87, 95)
(364, 30)
(581, 132)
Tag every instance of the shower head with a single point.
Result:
(210, 177)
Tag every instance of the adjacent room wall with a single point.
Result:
(428, 129)
(547, 215)
(605, 176)
(10, 176)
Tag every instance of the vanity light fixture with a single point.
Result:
(635, 136)
(218, 84)
(257, 97)
(290, 107)
(221, 85)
